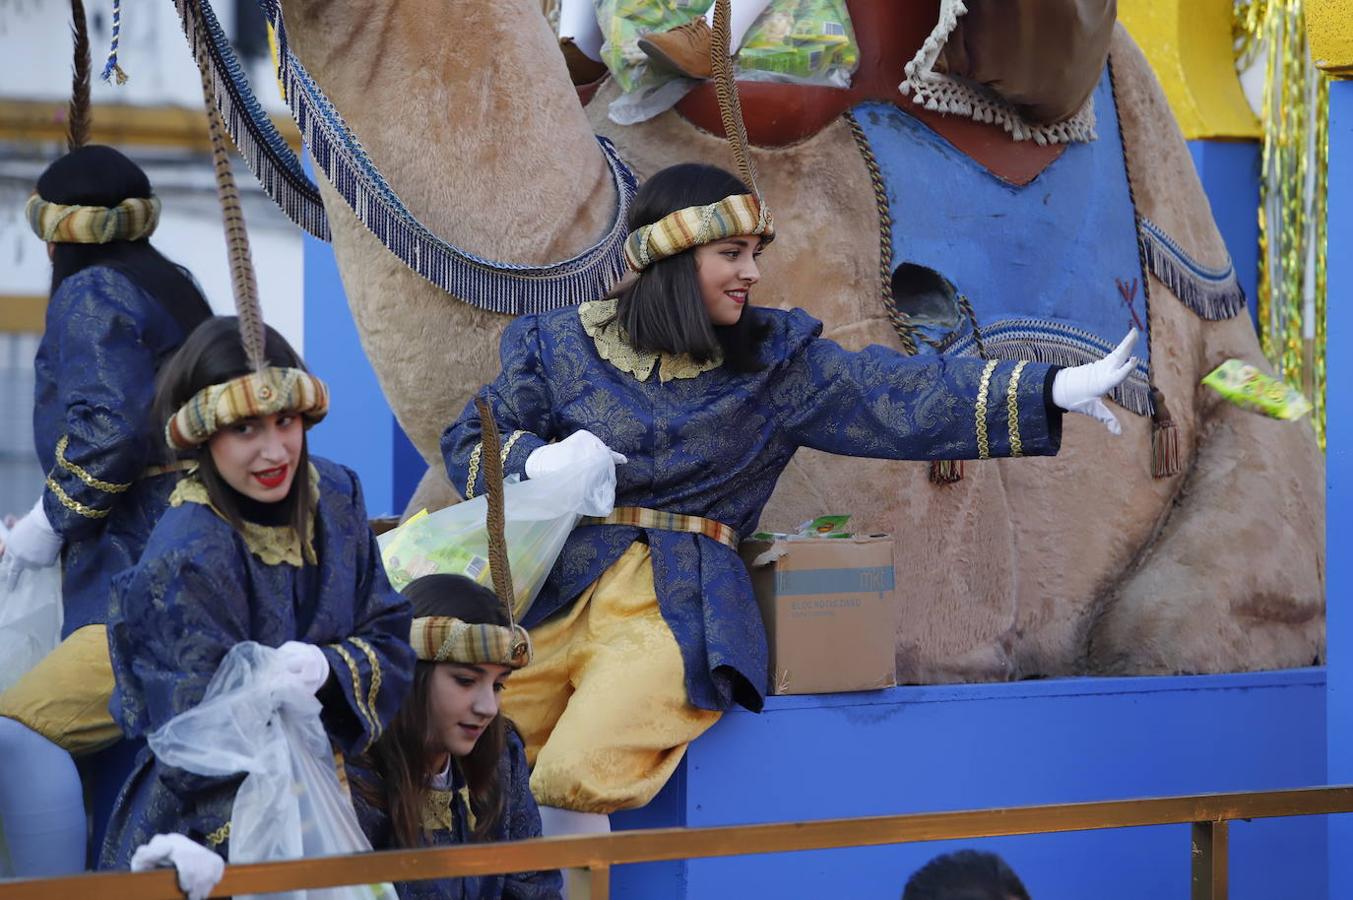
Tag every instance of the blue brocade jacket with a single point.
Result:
(200, 588)
(105, 339)
(447, 823)
(705, 440)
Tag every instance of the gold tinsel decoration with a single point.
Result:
(1292, 193)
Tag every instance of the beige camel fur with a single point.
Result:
(1081, 563)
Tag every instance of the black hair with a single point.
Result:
(101, 176)
(213, 354)
(403, 754)
(965, 875)
(662, 311)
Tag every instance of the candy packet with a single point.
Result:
(1249, 388)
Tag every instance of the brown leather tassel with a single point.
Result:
(946, 471)
(1165, 461)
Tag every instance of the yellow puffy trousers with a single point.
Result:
(602, 706)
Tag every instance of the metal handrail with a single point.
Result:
(1208, 813)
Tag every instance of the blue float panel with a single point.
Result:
(926, 749)
(1229, 171)
(1339, 475)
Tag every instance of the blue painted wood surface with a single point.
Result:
(1339, 476)
(922, 749)
(1229, 171)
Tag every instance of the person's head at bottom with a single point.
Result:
(965, 875)
(467, 649)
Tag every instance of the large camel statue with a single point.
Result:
(1083, 563)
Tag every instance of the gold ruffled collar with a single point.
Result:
(438, 809)
(272, 544)
(598, 318)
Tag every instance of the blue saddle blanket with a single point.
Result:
(1051, 268)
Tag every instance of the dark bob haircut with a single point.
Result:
(213, 354)
(662, 311)
(101, 176)
(403, 754)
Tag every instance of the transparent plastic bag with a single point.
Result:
(30, 618)
(796, 41)
(539, 514)
(256, 718)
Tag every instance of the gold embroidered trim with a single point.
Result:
(107, 487)
(272, 544)
(983, 445)
(474, 469)
(1012, 409)
(375, 687)
(219, 836)
(73, 505)
(598, 319)
(507, 446)
(357, 691)
(437, 815)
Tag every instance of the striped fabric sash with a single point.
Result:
(641, 517)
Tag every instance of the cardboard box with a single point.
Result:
(830, 611)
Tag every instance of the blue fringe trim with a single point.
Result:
(503, 287)
(266, 152)
(1056, 343)
(1212, 294)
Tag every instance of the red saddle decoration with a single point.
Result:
(889, 33)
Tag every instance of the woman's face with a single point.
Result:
(258, 457)
(726, 271)
(462, 701)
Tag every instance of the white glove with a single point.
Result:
(199, 869)
(581, 451)
(1079, 388)
(31, 543)
(578, 447)
(307, 662)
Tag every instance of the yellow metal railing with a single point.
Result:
(591, 857)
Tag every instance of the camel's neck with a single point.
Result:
(466, 108)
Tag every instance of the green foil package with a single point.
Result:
(1249, 388)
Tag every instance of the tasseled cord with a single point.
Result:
(1165, 459)
(111, 69)
(946, 471)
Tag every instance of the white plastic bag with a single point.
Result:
(539, 514)
(256, 718)
(30, 618)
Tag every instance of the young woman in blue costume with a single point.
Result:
(451, 770)
(647, 628)
(117, 310)
(261, 542)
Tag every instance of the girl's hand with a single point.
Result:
(1079, 389)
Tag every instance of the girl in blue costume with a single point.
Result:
(260, 543)
(450, 770)
(118, 309)
(647, 628)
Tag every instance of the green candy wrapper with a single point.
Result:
(1249, 388)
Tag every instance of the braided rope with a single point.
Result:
(971, 314)
(726, 89)
(111, 69)
(242, 282)
(499, 568)
(906, 332)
